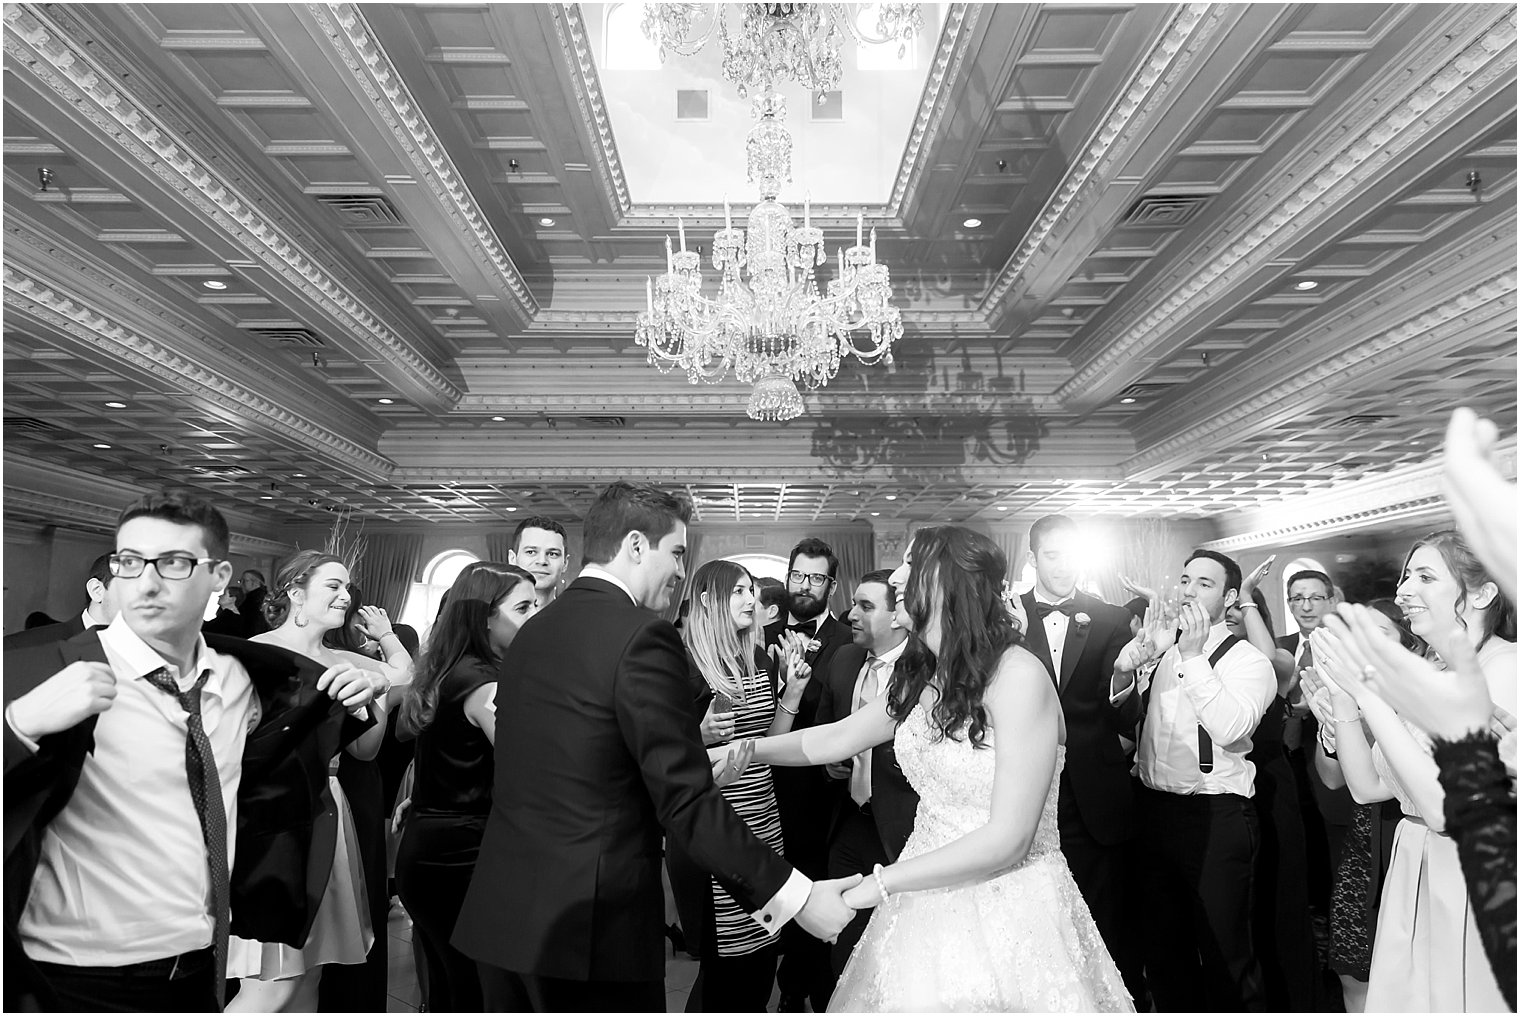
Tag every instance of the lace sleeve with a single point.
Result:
(1480, 816)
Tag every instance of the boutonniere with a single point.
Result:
(1081, 619)
(814, 645)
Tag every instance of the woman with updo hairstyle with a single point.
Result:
(451, 709)
(979, 912)
(310, 598)
(1427, 954)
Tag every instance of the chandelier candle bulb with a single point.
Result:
(681, 227)
(728, 222)
(807, 211)
(670, 258)
(649, 292)
(860, 225)
(873, 244)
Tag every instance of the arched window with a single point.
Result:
(423, 601)
(627, 47)
(762, 565)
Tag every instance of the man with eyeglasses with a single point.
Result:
(1327, 811)
(805, 796)
(163, 789)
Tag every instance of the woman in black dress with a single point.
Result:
(451, 707)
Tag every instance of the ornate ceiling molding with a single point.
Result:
(1403, 495)
(1493, 298)
(954, 45)
(45, 50)
(704, 474)
(1302, 195)
(570, 29)
(71, 313)
(349, 35)
(1151, 87)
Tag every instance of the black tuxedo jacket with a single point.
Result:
(597, 752)
(60, 632)
(286, 824)
(1096, 769)
(894, 802)
(805, 794)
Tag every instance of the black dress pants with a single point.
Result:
(1104, 874)
(735, 983)
(855, 849)
(433, 867)
(506, 991)
(185, 985)
(1197, 856)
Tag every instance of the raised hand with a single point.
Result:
(375, 622)
(1326, 700)
(1136, 589)
(78, 691)
(1483, 502)
(798, 672)
(731, 766)
(1195, 631)
(825, 913)
(717, 727)
(1249, 584)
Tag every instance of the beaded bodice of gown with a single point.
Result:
(954, 784)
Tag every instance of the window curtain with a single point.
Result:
(856, 550)
(390, 565)
(1011, 542)
(497, 546)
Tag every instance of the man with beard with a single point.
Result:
(804, 795)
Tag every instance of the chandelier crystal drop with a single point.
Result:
(779, 40)
(769, 322)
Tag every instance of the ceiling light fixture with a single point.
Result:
(498, 419)
(102, 446)
(214, 284)
(771, 325)
(891, 497)
(116, 405)
(1306, 285)
(972, 223)
(778, 40)
(387, 402)
(546, 221)
(266, 497)
(1127, 400)
(874, 514)
(511, 508)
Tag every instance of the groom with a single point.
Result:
(597, 756)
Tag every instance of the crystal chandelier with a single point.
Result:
(779, 40)
(770, 325)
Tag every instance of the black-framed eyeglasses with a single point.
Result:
(1307, 601)
(168, 566)
(816, 581)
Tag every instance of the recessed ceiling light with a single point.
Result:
(299, 476)
(98, 445)
(1127, 399)
(498, 419)
(387, 402)
(116, 405)
(511, 508)
(266, 497)
(875, 513)
(1002, 507)
(972, 223)
(1306, 285)
(546, 221)
(214, 284)
(891, 497)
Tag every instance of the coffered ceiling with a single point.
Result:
(386, 259)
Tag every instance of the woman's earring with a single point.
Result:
(299, 617)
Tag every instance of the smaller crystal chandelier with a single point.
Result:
(779, 40)
(769, 323)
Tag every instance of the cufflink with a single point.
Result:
(766, 918)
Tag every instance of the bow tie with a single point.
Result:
(1044, 610)
(808, 628)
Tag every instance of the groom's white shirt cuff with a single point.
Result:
(786, 904)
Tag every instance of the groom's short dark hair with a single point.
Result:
(628, 507)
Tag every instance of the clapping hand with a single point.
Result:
(374, 622)
(1483, 502)
(1447, 703)
(797, 670)
(1249, 584)
(1195, 630)
(1136, 589)
(1158, 629)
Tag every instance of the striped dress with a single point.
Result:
(754, 799)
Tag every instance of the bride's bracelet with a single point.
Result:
(881, 883)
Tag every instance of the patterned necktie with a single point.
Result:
(206, 792)
(870, 688)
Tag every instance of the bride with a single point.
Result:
(980, 912)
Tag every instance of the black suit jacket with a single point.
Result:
(597, 752)
(60, 632)
(286, 822)
(805, 794)
(894, 802)
(1096, 770)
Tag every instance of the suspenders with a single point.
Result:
(1205, 742)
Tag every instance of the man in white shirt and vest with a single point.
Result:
(1198, 827)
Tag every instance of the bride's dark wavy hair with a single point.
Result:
(966, 570)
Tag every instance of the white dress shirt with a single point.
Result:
(123, 875)
(793, 895)
(860, 769)
(1056, 624)
(1228, 701)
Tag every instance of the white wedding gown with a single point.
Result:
(1020, 941)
